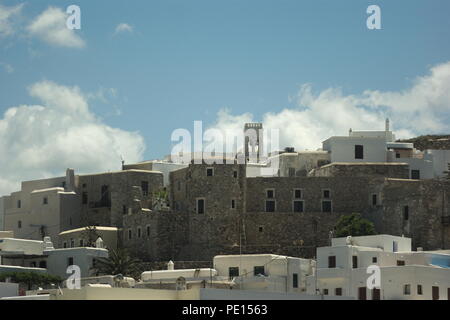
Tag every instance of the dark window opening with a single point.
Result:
(260, 229)
(270, 205)
(326, 194)
(295, 280)
(144, 187)
(130, 234)
(400, 262)
(355, 262)
(415, 174)
(326, 206)
(124, 209)
(70, 261)
(374, 260)
(209, 172)
(332, 262)
(338, 291)
(397, 155)
(419, 289)
(104, 198)
(270, 194)
(259, 270)
(19, 204)
(19, 224)
(235, 174)
(233, 272)
(406, 213)
(291, 172)
(139, 232)
(374, 200)
(359, 152)
(297, 194)
(200, 206)
(298, 206)
(43, 264)
(233, 204)
(148, 231)
(407, 289)
(45, 200)
(325, 292)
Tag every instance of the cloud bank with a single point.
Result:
(43, 140)
(424, 108)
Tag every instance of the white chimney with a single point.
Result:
(170, 265)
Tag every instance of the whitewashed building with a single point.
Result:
(342, 269)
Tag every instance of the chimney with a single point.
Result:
(387, 125)
(70, 179)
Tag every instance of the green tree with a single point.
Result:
(31, 279)
(354, 225)
(118, 262)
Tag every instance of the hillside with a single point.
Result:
(439, 142)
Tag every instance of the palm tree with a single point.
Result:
(118, 262)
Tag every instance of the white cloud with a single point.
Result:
(123, 27)
(43, 140)
(421, 109)
(50, 26)
(6, 15)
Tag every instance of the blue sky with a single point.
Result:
(182, 61)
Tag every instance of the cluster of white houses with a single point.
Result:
(340, 272)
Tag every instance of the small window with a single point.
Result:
(45, 200)
(406, 213)
(400, 262)
(270, 205)
(235, 174)
(43, 264)
(19, 204)
(326, 194)
(397, 155)
(233, 272)
(200, 206)
(65, 244)
(130, 234)
(63, 184)
(84, 197)
(70, 261)
(209, 172)
(297, 193)
(19, 224)
(359, 152)
(407, 289)
(376, 294)
(144, 187)
(81, 243)
(362, 293)
(72, 243)
(294, 280)
(355, 262)
(258, 270)
(270, 194)
(374, 200)
(374, 260)
(332, 262)
(298, 206)
(338, 291)
(124, 209)
(325, 292)
(419, 290)
(139, 232)
(233, 204)
(260, 229)
(326, 206)
(84, 185)
(415, 174)
(148, 231)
